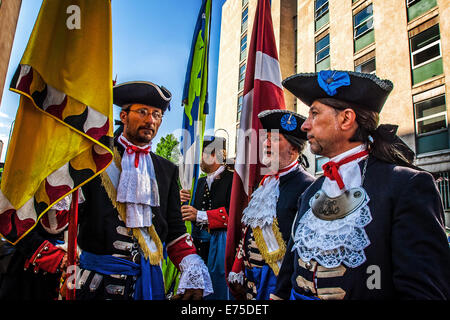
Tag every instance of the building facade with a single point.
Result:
(9, 14)
(405, 41)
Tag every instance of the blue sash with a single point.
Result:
(297, 296)
(216, 266)
(264, 280)
(149, 284)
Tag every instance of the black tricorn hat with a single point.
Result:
(286, 122)
(218, 143)
(361, 89)
(142, 92)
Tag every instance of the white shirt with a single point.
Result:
(202, 216)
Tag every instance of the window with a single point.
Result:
(321, 15)
(367, 66)
(239, 107)
(426, 55)
(241, 76)
(244, 20)
(320, 161)
(323, 53)
(363, 33)
(431, 125)
(243, 54)
(418, 7)
(426, 46)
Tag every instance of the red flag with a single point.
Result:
(262, 91)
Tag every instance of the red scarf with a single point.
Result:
(330, 169)
(134, 149)
(277, 175)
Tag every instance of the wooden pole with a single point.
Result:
(72, 246)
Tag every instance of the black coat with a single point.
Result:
(407, 241)
(219, 194)
(99, 219)
(103, 232)
(292, 185)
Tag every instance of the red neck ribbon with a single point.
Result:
(136, 150)
(330, 169)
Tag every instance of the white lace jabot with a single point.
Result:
(262, 208)
(137, 187)
(340, 241)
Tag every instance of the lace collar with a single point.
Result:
(340, 241)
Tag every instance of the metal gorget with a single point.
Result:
(327, 208)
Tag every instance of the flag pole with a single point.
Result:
(72, 246)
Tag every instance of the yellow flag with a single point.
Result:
(63, 132)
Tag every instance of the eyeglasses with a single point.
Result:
(144, 113)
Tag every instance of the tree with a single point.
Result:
(167, 148)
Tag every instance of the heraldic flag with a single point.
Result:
(63, 131)
(195, 101)
(262, 91)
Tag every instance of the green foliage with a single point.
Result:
(167, 148)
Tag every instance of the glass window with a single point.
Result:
(321, 15)
(323, 53)
(323, 48)
(244, 20)
(431, 115)
(367, 66)
(416, 8)
(426, 46)
(363, 21)
(363, 33)
(321, 8)
(242, 76)
(243, 53)
(431, 125)
(239, 107)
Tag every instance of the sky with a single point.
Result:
(151, 42)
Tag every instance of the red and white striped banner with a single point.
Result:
(262, 91)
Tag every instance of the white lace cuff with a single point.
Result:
(202, 217)
(194, 275)
(234, 277)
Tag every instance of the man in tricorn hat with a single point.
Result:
(268, 218)
(209, 212)
(132, 208)
(372, 227)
